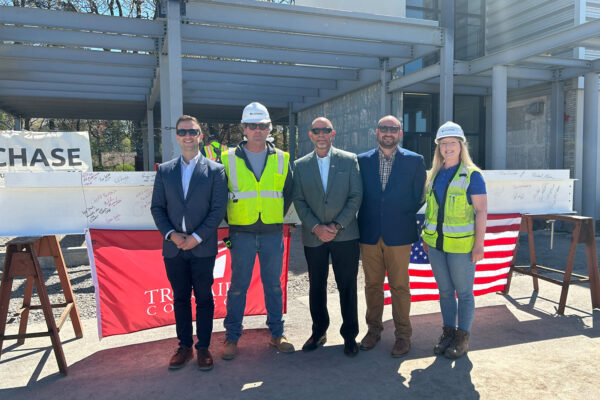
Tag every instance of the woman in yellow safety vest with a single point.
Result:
(453, 234)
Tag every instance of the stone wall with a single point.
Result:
(354, 117)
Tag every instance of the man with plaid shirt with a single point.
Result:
(393, 182)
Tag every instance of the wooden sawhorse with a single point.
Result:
(21, 261)
(583, 232)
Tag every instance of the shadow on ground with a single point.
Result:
(259, 372)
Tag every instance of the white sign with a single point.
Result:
(22, 151)
(69, 202)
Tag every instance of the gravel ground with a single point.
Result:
(83, 288)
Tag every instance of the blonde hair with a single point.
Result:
(438, 162)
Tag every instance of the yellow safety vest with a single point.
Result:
(249, 198)
(458, 227)
(210, 150)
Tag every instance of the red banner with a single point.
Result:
(132, 289)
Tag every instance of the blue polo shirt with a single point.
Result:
(476, 185)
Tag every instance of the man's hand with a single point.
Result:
(189, 243)
(325, 233)
(425, 248)
(178, 238)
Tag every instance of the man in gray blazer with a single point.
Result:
(327, 195)
(188, 204)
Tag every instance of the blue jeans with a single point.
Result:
(245, 246)
(454, 274)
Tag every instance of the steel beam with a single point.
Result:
(292, 133)
(149, 145)
(287, 40)
(248, 67)
(77, 55)
(241, 88)
(416, 77)
(557, 125)
(70, 95)
(426, 87)
(172, 76)
(260, 80)
(447, 64)
(565, 38)
(52, 77)
(233, 102)
(385, 97)
(367, 77)
(558, 62)
(9, 65)
(70, 87)
(499, 94)
(71, 38)
(316, 21)
(83, 21)
(256, 96)
(278, 55)
(591, 148)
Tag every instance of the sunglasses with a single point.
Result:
(390, 129)
(318, 131)
(253, 127)
(191, 132)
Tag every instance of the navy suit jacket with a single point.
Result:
(203, 207)
(391, 214)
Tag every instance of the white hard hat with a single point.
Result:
(450, 129)
(255, 113)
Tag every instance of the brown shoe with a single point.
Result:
(181, 356)
(401, 347)
(282, 344)
(205, 360)
(229, 350)
(370, 340)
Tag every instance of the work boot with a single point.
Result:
(445, 340)
(370, 340)
(229, 350)
(459, 346)
(181, 357)
(282, 344)
(401, 347)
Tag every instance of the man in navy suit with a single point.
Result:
(188, 204)
(393, 182)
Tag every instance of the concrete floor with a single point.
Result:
(519, 349)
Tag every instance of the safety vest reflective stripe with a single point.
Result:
(209, 152)
(253, 194)
(430, 226)
(458, 229)
(280, 161)
(233, 172)
(242, 195)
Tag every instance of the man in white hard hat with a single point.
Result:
(260, 189)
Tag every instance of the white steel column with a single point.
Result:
(499, 78)
(149, 145)
(591, 148)
(558, 124)
(386, 97)
(447, 63)
(171, 97)
(292, 132)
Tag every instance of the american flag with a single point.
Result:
(501, 235)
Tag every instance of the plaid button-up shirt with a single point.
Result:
(385, 167)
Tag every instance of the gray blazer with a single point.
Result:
(340, 202)
(203, 207)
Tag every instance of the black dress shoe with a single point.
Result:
(313, 342)
(350, 348)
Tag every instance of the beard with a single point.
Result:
(387, 144)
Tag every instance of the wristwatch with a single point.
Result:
(338, 226)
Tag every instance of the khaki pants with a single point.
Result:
(376, 260)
